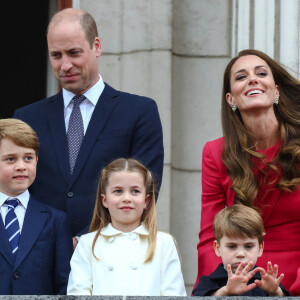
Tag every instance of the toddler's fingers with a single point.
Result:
(248, 266)
(275, 271)
(229, 271)
(279, 279)
(240, 267)
(258, 283)
(269, 268)
(253, 272)
(250, 287)
(261, 270)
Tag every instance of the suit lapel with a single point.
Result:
(5, 248)
(35, 219)
(100, 116)
(58, 132)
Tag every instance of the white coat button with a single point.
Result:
(111, 239)
(110, 268)
(133, 236)
(133, 267)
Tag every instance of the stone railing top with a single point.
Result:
(46, 297)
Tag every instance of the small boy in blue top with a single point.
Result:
(35, 242)
(239, 233)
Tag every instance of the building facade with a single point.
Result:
(175, 51)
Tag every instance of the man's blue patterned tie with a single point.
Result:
(75, 132)
(12, 226)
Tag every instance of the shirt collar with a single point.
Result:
(23, 198)
(111, 231)
(93, 94)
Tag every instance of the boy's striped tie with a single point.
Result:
(12, 224)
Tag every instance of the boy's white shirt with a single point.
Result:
(121, 270)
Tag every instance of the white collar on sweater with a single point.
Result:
(111, 231)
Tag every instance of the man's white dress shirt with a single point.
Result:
(87, 106)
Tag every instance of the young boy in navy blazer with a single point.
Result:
(239, 233)
(36, 245)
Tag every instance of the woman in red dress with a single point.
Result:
(257, 161)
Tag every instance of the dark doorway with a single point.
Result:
(24, 65)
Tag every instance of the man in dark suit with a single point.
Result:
(36, 245)
(114, 124)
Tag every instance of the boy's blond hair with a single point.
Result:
(20, 133)
(238, 221)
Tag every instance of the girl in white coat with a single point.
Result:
(124, 254)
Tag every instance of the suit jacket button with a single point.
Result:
(16, 275)
(70, 194)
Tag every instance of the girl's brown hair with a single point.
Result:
(238, 154)
(101, 216)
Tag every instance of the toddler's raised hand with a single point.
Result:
(269, 281)
(237, 282)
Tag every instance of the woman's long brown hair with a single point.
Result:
(239, 144)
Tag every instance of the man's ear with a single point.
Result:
(217, 248)
(103, 199)
(97, 46)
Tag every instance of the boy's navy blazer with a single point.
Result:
(42, 262)
(122, 125)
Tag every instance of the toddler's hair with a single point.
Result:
(238, 221)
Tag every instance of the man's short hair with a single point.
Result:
(86, 21)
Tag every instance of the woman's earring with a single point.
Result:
(234, 107)
(276, 100)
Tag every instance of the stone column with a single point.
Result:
(288, 31)
(201, 49)
(270, 26)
